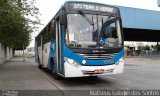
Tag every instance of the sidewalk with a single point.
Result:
(154, 56)
(18, 75)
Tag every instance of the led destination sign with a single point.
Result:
(91, 7)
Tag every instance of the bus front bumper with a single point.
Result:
(82, 71)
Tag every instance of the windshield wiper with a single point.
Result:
(86, 18)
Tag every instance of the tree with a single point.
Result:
(147, 47)
(15, 25)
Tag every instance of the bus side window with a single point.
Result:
(52, 30)
(49, 28)
(49, 35)
(44, 35)
(54, 34)
(38, 41)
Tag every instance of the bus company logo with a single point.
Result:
(109, 61)
(98, 51)
(95, 51)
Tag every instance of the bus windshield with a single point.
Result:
(93, 31)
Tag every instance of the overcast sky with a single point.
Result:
(48, 8)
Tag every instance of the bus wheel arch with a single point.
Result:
(53, 72)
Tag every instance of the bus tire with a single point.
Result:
(39, 65)
(54, 74)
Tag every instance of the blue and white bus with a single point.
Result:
(82, 39)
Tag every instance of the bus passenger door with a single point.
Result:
(58, 46)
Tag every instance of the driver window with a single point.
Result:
(110, 34)
(110, 30)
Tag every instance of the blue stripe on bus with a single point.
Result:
(68, 53)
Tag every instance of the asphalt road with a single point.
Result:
(29, 80)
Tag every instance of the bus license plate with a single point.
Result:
(99, 71)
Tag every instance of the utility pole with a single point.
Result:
(157, 46)
(158, 2)
(23, 54)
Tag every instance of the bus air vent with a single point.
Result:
(97, 56)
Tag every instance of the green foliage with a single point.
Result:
(141, 48)
(15, 26)
(157, 47)
(147, 47)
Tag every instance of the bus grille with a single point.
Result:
(97, 56)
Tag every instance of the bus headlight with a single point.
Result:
(72, 62)
(120, 61)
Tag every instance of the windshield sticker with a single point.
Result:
(101, 41)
